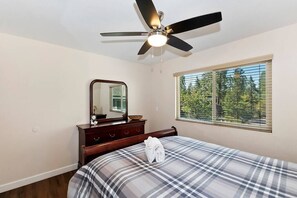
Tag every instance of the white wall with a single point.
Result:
(44, 94)
(281, 143)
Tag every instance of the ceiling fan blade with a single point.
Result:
(124, 34)
(178, 43)
(194, 23)
(145, 47)
(149, 13)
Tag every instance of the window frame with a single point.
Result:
(122, 97)
(264, 59)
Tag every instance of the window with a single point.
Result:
(118, 98)
(237, 96)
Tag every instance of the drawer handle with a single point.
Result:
(138, 130)
(126, 132)
(112, 135)
(96, 139)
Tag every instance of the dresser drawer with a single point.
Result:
(99, 137)
(132, 130)
(106, 132)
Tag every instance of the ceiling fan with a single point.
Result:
(160, 35)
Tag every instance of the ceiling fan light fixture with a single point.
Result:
(157, 39)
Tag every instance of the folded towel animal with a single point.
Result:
(154, 150)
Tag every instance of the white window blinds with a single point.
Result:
(233, 96)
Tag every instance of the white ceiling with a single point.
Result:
(77, 23)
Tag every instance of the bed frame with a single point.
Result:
(90, 152)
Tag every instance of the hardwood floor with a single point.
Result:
(55, 187)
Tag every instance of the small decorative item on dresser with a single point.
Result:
(94, 122)
(135, 117)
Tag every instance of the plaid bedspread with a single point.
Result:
(192, 169)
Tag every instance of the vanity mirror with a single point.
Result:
(108, 101)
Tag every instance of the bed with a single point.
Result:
(192, 168)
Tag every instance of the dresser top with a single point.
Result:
(87, 126)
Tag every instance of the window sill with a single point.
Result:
(116, 111)
(224, 125)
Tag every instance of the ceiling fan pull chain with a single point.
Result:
(153, 52)
(161, 60)
(161, 57)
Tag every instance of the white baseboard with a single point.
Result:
(36, 178)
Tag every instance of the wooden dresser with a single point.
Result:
(109, 131)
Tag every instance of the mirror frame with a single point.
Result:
(124, 117)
